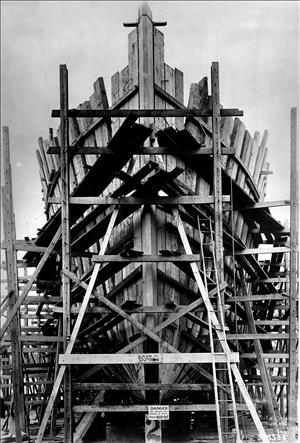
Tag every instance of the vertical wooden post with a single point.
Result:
(66, 261)
(12, 287)
(217, 179)
(218, 218)
(293, 323)
(146, 101)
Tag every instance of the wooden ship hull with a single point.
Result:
(129, 165)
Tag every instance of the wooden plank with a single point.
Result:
(156, 200)
(146, 258)
(141, 408)
(266, 336)
(12, 287)
(272, 322)
(144, 150)
(144, 113)
(294, 269)
(144, 408)
(268, 204)
(218, 228)
(272, 355)
(274, 250)
(217, 178)
(142, 309)
(117, 359)
(35, 338)
(270, 280)
(143, 386)
(262, 297)
(66, 256)
(133, 57)
(179, 122)
(75, 331)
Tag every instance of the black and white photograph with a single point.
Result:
(149, 221)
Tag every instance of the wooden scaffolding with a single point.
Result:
(116, 300)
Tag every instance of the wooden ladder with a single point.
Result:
(229, 403)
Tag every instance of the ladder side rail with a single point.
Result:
(234, 408)
(214, 371)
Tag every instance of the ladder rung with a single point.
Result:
(226, 416)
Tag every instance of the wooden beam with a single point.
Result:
(146, 258)
(271, 322)
(142, 113)
(260, 297)
(294, 285)
(66, 243)
(144, 150)
(144, 408)
(269, 355)
(222, 424)
(155, 200)
(261, 336)
(23, 245)
(141, 309)
(12, 287)
(274, 250)
(126, 359)
(264, 230)
(143, 386)
(269, 280)
(262, 205)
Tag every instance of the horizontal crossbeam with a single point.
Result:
(109, 113)
(147, 258)
(143, 386)
(155, 200)
(122, 359)
(267, 336)
(143, 150)
(274, 250)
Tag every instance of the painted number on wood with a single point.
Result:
(152, 430)
(149, 358)
(158, 412)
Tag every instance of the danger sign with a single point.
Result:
(158, 412)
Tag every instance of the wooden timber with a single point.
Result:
(293, 293)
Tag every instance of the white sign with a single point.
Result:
(152, 430)
(158, 412)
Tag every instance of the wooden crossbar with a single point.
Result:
(86, 113)
(124, 359)
(155, 200)
(144, 150)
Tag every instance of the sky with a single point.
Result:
(255, 43)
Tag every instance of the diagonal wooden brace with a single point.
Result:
(75, 331)
(220, 335)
